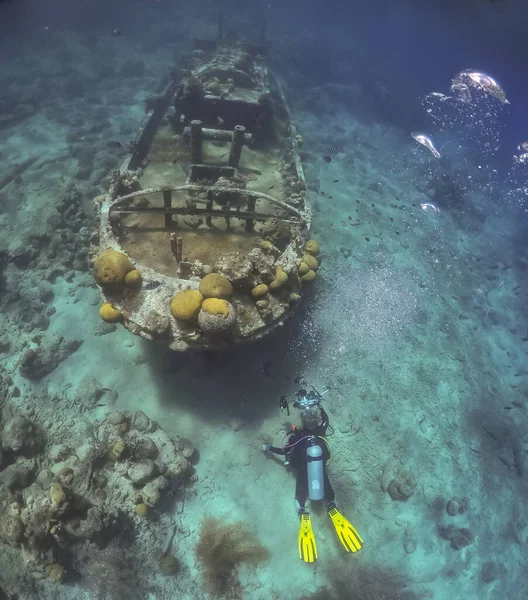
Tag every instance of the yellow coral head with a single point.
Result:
(308, 276)
(109, 314)
(281, 277)
(312, 247)
(186, 305)
(57, 493)
(311, 262)
(111, 268)
(216, 306)
(142, 509)
(215, 286)
(133, 279)
(259, 290)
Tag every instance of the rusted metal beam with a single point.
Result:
(179, 249)
(167, 205)
(147, 130)
(250, 223)
(236, 146)
(207, 212)
(194, 187)
(218, 135)
(196, 141)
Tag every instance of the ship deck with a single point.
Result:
(148, 241)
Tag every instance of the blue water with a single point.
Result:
(416, 323)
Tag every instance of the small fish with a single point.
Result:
(152, 285)
(423, 139)
(114, 144)
(335, 181)
(268, 368)
(270, 188)
(116, 32)
(430, 207)
(333, 150)
(509, 407)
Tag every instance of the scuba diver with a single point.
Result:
(308, 451)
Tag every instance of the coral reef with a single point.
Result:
(40, 358)
(21, 436)
(33, 264)
(122, 183)
(276, 232)
(68, 246)
(263, 261)
(237, 269)
(108, 573)
(60, 497)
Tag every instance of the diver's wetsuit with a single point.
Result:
(298, 458)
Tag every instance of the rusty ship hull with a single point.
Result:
(212, 190)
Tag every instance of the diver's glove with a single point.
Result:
(265, 447)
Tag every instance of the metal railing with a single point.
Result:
(209, 211)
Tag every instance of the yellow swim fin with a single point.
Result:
(346, 533)
(307, 546)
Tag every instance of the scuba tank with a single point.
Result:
(314, 456)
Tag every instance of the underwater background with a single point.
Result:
(416, 323)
